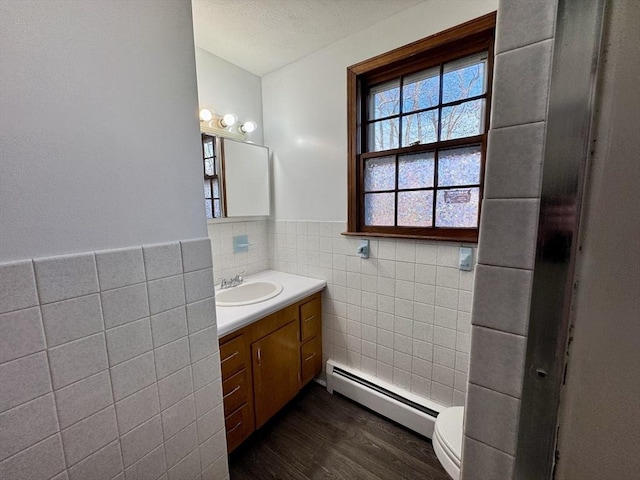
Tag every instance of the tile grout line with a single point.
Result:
(46, 343)
(193, 393)
(488, 445)
(110, 372)
(155, 369)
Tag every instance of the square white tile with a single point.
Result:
(17, 286)
(168, 326)
(119, 268)
(63, 277)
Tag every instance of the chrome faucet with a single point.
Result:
(232, 282)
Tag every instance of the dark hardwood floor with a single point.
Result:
(324, 436)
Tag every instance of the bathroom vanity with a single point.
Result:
(273, 351)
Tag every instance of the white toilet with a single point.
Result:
(447, 440)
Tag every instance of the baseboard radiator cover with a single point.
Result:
(403, 407)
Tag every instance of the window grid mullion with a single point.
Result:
(396, 157)
(436, 154)
(396, 192)
(401, 111)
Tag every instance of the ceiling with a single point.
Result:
(264, 35)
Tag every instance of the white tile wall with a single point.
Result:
(227, 264)
(107, 370)
(506, 250)
(401, 315)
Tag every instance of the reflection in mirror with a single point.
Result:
(246, 181)
(212, 190)
(236, 178)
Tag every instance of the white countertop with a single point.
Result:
(295, 288)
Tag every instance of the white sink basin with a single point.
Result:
(247, 293)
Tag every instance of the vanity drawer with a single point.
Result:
(311, 359)
(310, 318)
(238, 426)
(235, 391)
(232, 356)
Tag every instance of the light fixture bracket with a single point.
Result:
(212, 128)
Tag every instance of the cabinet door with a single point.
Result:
(276, 366)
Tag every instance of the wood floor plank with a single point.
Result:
(320, 436)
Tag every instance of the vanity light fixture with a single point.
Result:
(205, 115)
(228, 120)
(223, 125)
(247, 127)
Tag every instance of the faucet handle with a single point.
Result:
(239, 278)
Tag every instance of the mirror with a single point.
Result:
(236, 178)
(245, 178)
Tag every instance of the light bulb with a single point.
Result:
(205, 115)
(248, 127)
(228, 120)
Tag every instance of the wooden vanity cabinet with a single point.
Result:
(266, 363)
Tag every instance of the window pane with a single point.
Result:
(415, 170)
(464, 78)
(415, 209)
(457, 208)
(459, 166)
(421, 90)
(462, 120)
(383, 135)
(379, 209)
(379, 174)
(207, 189)
(217, 210)
(419, 128)
(208, 147)
(207, 206)
(216, 188)
(209, 167)
(384, 100)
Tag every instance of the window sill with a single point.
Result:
(213, 221)
(472, 240)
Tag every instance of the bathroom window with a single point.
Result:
(212, 196)
(418, 119)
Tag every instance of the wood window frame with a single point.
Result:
(469, 38)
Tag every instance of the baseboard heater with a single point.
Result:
(403, 407)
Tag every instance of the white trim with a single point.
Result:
(210, 128)
(399, 412)
(214, 221)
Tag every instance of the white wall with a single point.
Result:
(402, 315)
(99, 144)
(305, 107)
(226, 88)
(600, 420)
(100, 148)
